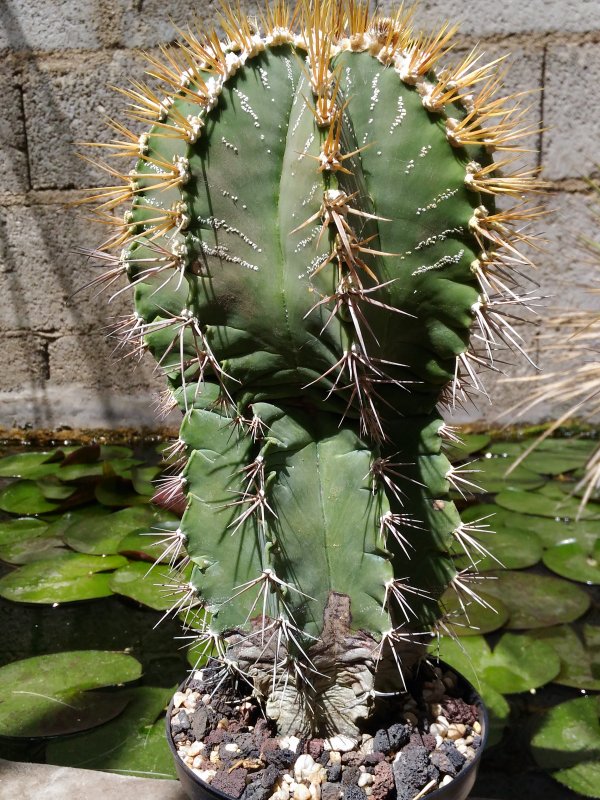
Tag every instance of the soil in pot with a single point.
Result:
(222, 739)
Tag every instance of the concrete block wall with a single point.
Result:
(57, 59)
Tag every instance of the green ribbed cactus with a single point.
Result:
(310, 235)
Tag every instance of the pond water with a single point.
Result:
(72, 578)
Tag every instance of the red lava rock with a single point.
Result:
(372, 759)
(215, 737)
(428, 741)
(314, 748)
(330, 791)
(383, 785)
(352, 758)
(231, 783)
(456, 710)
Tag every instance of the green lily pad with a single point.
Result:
(53, 489)
(509, 548)
(25, 497)
(151, 545)
(28, 465)
(134, 744)
(76, 472)
(579, 666)
(518, 663)
(47, 695)
(570, 560)
(140, 582)
(61, 580)
(117, 492)
(30, 542)
(492, 477)
(542, 505)
(477, 618)
(143, 479)
(104, 534)
(537, 601)
(567, 744)
(61, 524)
(11, 530)
(470, 443)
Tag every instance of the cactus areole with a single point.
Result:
(310, 236)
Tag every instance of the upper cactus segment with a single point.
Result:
(311, 235)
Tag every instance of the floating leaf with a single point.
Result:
(151, 546)
(61, 580)
(512, 549)
(30, 543)
(143, 584)
(143, 479)
(539, 504)
(470, 443)
(46, 695)
(477, 618)
(568, 745)
(11, 530)
(117, 492)
(53, 489)
(518, 663)
(104, 534)
(537, 601)
(571, 560)
(492, 478)
(27, 465)
(76, 472)
(133, 744)
(578, 668)
(25, 497)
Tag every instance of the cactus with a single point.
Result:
(310, 236)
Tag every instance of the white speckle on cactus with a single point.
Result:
(445, 261)
(246, 107)
(400, 114)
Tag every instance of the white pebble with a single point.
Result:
(366, 747)
(445, 780)
(206, 775)
(334, 758)
(197, 762)
(196, 748)
(315, 791)
(365, 779)
(477, 727)
(469, 740)
(289, 743)
(442, 721)
(178, 699)
(343, 744)
(232, 747)
(303, 766)
(439, 741)
(301, 792)
(288, 778)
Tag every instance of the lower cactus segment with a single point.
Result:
(311, 236)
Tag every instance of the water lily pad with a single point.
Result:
(30, 542)
(509, 548)
(47, 695)
(537, 601)
(542, 505)
(155, 545)
(76, 472)
(567, 744)
(133, 744)
(104, 534)
(143, 479)
(492, 477)
(470, 443)
(477, 618)
(62, 523)
(27, 465)
(61, 580)
(53, 489)
(25, 497)
(117, 492)
(570, 560)
(140, 582)
(11, 530)
(518, 663)
(579, 666)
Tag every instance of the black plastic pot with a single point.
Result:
(458, 789)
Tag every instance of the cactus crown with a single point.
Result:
(310, 234)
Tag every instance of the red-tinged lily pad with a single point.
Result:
(133, 744)
(27, 498)
(570, 560)
(579, 665)
(49, 695)
(567, 744)
(103, 535)
(537, 601)
(28, 465)
(144, 584)
(66, 579)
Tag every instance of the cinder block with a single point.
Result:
(152, 23)
(23, 362)
(89, 360)
(67, 102)
(571, 99)
(491, 18)
(50, 24)
(43, 278)
(13, 155)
